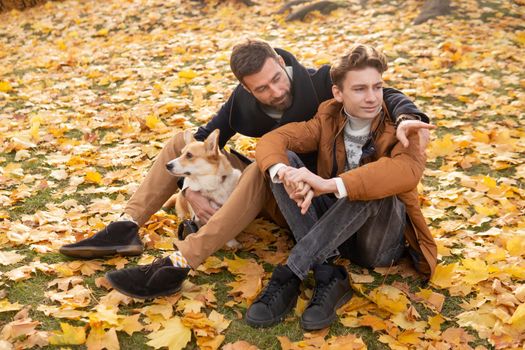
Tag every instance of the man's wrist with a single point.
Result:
(330, 186)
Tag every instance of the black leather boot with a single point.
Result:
(160, 278)
(332, 290)
(186, 228)
(119, 237)
(276, 300)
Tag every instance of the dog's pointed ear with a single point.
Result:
(212, 142)
(188, 136)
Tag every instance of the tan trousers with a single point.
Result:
(251, 197)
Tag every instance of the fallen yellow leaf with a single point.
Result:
(174, 335)
(70, 335)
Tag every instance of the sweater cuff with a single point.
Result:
(341, 189)
(273, 172)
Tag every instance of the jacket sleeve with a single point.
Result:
(220, 121)
(397, 103)
(389, 175)
(300, 137)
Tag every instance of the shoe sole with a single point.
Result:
(314, 326)
(277, 319)
(159, 294)
(98, 252)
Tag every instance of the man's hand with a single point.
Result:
(407, 127)
(299, 192)
(317, 183)
(306, 185)
(202, 206)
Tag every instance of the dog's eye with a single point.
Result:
(189, 155)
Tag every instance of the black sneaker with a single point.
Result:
(119, 237)
(186, 228)
(332, 290)
(276, 300)
(160, 278)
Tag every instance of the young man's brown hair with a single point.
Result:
(360, 56)
(248, 58)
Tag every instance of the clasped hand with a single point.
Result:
(302, 185)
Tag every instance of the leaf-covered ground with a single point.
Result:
(91, 90)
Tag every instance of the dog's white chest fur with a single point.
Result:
(215, 187)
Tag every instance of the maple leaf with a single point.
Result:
(106, 314)
(115, 298)
(119, 262)
(5, 305)
(64, 282)
(155, 311)
(365, 278)
(432, 298)
(18, 328)
(9, 258)
(517, 319)
(376, 323)
(99, 339)
(475, 271)
(5, 86)
(61, 312)
(239, 345)
(211, 265)
(349, 341)
(69, 335)
(389, 298)
(189, 305)
(311, 341)
(78, 296)
(206, 343)
(130, 324)
(88, 268)
(187, 74)
(443, 275)
(443, 147)
(404, 322)
(174, 335)
(435, 322)
(94, 177)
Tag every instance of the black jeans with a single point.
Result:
(369, 233)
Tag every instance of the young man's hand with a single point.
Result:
(302, 185)
(300, 192)
(407, 127)
(202, 206)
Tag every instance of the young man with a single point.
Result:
(274, 90)
(362, 205)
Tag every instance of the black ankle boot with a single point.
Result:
(332, 290)
(119, 237)
(276, 300)
(159, 278)
(186, 228)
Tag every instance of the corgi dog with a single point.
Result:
(205, 170)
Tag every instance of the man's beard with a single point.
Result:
(281, 104)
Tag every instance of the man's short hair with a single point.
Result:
(360, 56)
(248, 58)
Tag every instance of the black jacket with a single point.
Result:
(242, 113)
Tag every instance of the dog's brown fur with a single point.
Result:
(206, 170)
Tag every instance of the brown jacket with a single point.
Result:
(396, 170)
